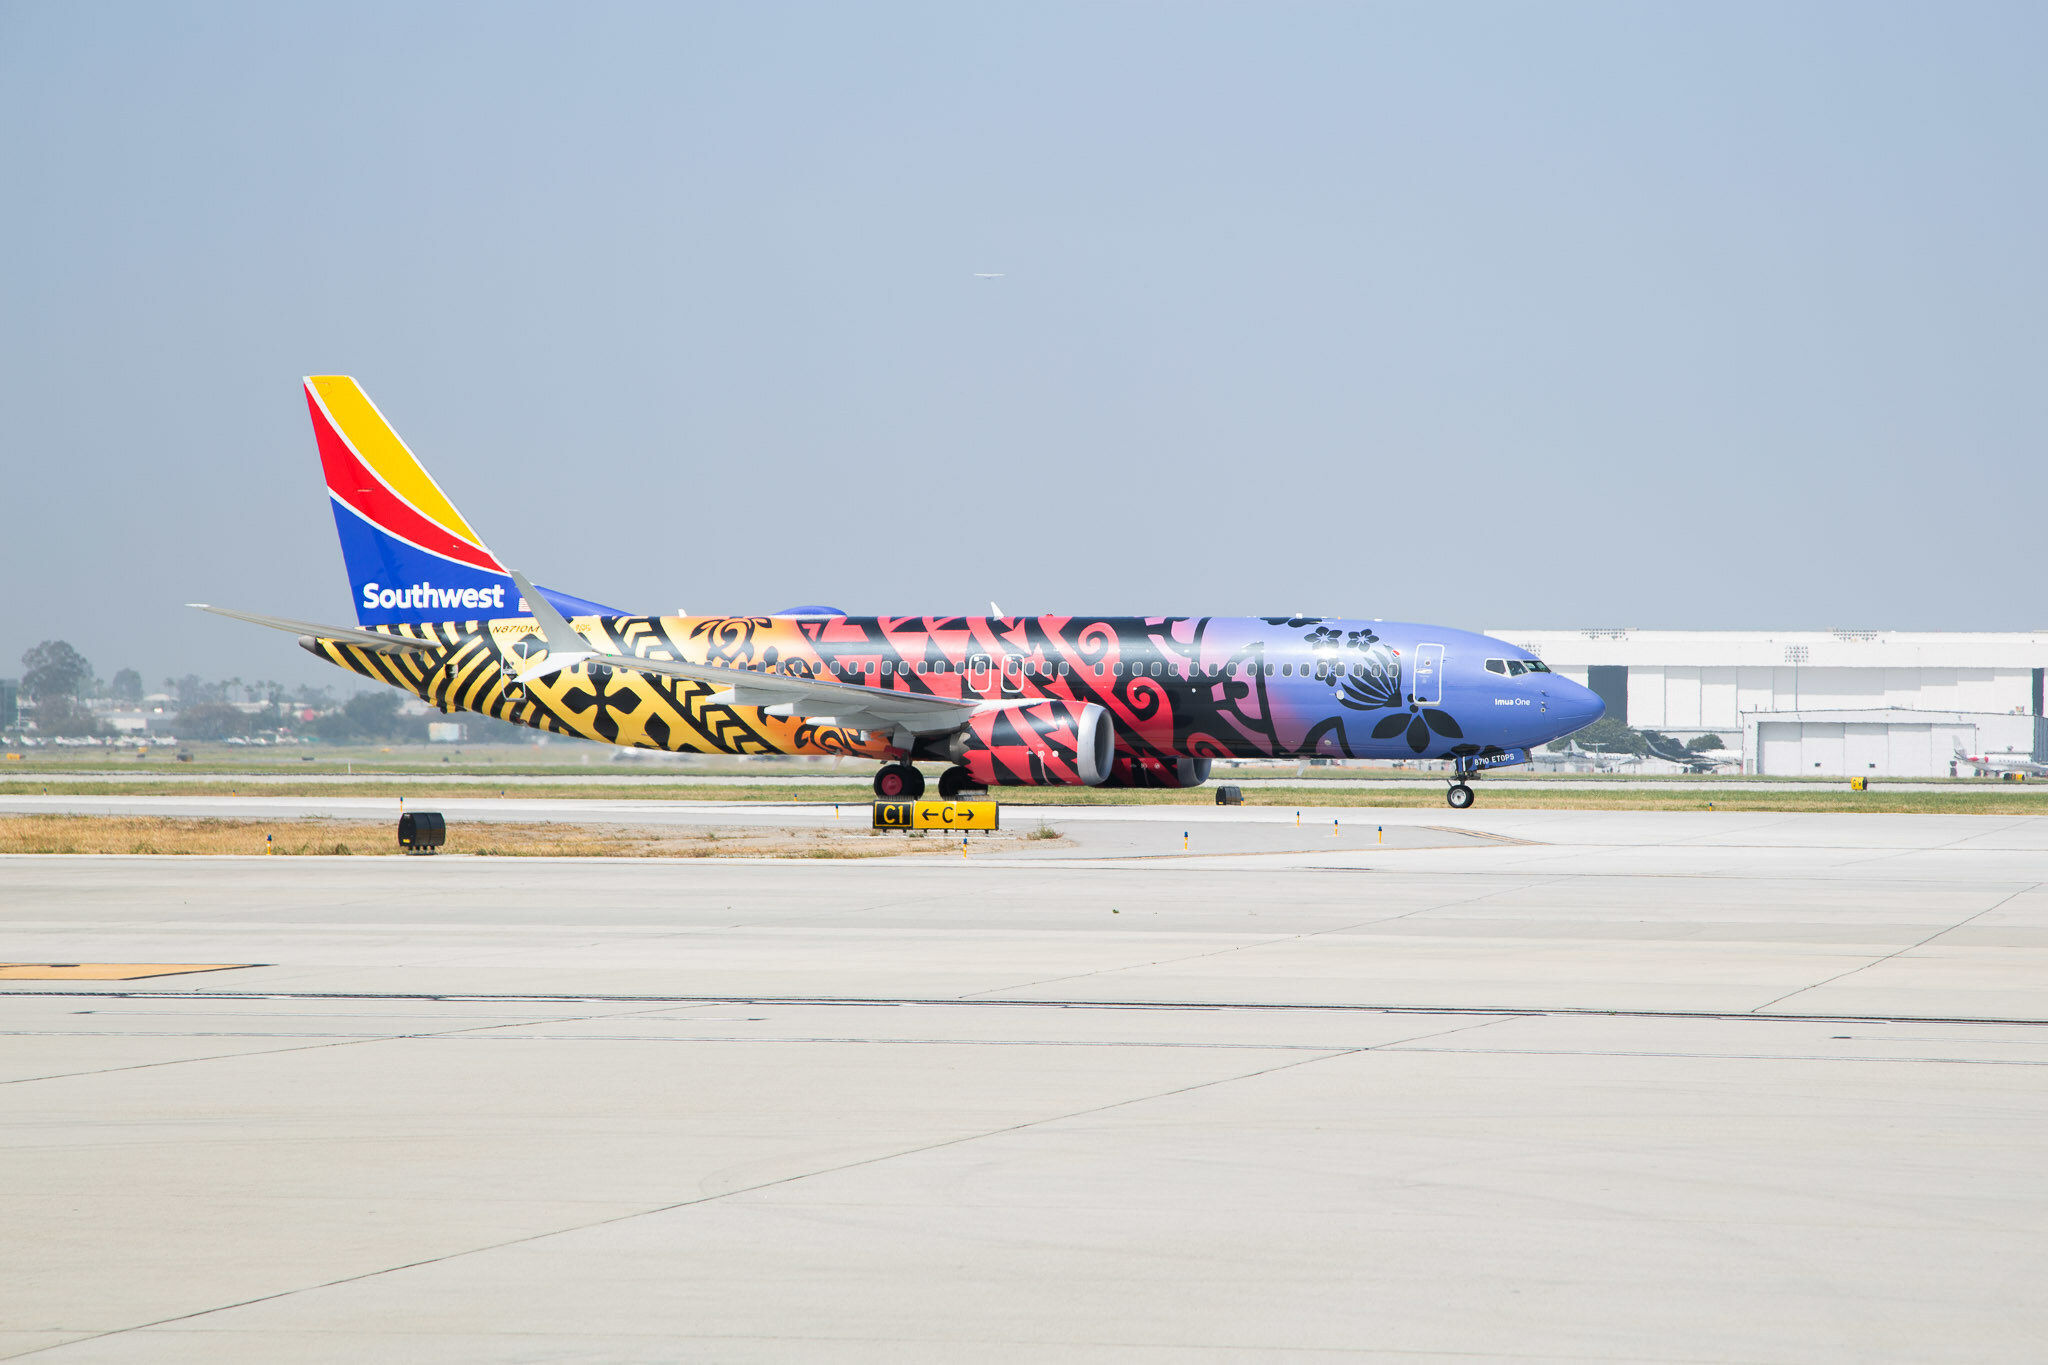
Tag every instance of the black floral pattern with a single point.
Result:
(1419, 722)
(606, 697)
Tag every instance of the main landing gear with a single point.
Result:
(899, 782)
(953, 782)
(1460, 794)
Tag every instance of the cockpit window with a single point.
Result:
(1515, 669)
(1496, 666)
(1537, 666)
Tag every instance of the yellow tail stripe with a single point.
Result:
(378, 446)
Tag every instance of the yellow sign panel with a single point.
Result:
(936, 815)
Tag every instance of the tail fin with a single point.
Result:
(410, 555)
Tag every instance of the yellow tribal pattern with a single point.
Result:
(473, 665)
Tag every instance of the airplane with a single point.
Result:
(2000, 763)
(1602, 760)
(1103, 701)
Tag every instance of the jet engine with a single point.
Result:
(1045, 744)
(1158, 772)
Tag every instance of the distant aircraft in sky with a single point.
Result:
(1105, 701)
(989, 274)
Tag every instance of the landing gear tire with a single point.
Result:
(1460, 796)
(899, 782)
(953, 782)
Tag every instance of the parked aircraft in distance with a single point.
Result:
(1107, 701)
(989, 274)
(1600, 760)
(2000, 763)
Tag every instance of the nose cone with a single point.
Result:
(1575, 707)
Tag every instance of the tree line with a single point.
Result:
(57, 681)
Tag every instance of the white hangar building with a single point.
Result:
(1879, 703)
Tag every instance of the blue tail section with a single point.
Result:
(411, 556)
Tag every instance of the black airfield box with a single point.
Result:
(1229, 796)
(422, 831)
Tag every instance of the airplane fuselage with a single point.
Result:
(1173, 687)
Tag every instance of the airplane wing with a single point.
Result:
(350, 635)
(854, 706)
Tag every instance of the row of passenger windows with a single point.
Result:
(1515, 668)
(1032, 668)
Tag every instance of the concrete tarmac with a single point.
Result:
(654, 774)
(1569, 1085)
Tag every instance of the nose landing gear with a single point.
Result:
(1463, 769)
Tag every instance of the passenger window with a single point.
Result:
(1157, 668)
(1497, 666)
(1063, 670)
(1287, 670)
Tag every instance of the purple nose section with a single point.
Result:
(1575, 707)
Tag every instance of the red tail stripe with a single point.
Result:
(351, 480)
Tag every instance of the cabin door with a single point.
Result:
(1429, 675)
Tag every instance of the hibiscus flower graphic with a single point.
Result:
(1419, 722)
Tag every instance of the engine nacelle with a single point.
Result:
(1044, 744)
(1157, 772)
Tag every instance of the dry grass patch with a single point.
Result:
(328, 838)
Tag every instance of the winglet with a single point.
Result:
(566, 648)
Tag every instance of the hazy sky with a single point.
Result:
(1533, 314)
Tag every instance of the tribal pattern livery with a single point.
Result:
(1170, 687)
(1132, 701)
